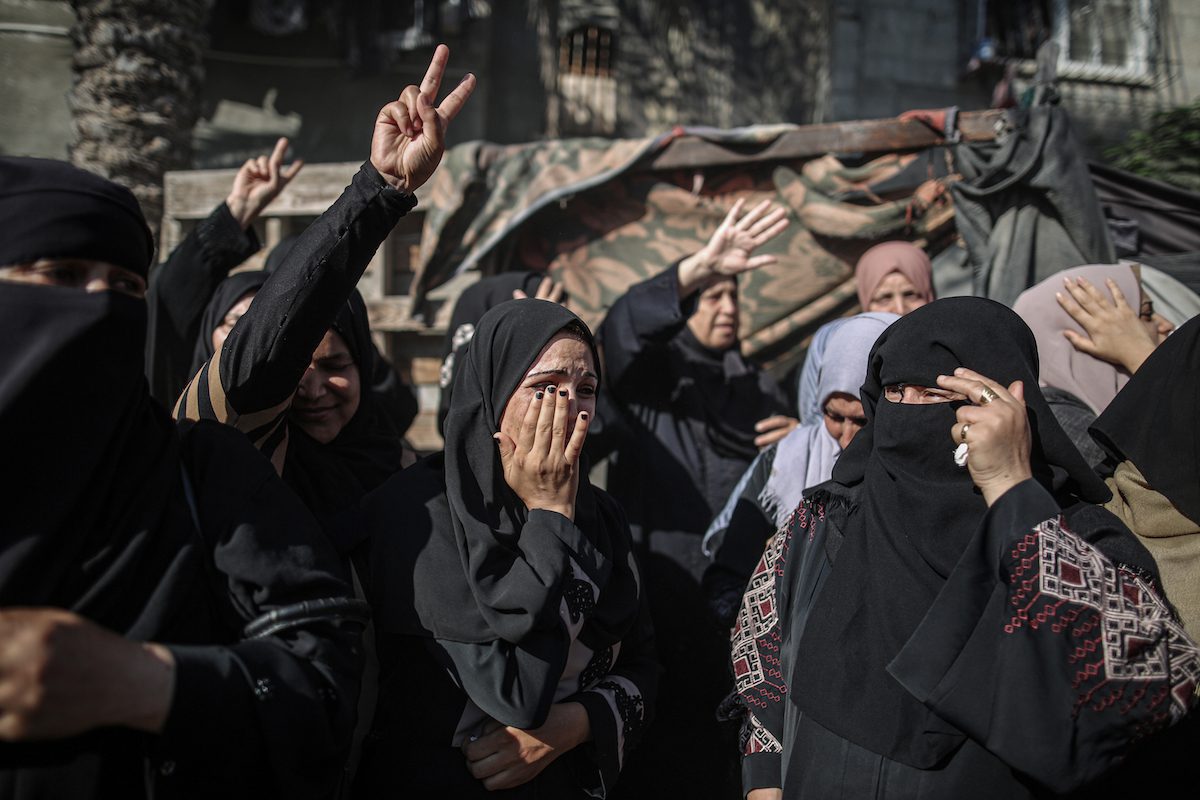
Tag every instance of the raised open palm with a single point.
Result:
(731, 248)
(410, 133)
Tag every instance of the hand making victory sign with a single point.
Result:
(410, 133)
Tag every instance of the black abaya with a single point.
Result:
(99, 521)
(488, 611)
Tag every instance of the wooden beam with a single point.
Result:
(393, 313)
(193, 194)
(809, 141)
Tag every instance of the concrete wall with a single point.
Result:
(888, 56)
(259, 87)
(35, 77)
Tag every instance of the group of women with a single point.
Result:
(933, 592)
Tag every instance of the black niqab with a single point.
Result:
(916, 512)
(91, 465)
(1152, 420)
(50, 209)
(473, 578)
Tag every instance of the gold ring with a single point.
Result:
(962, 435)
(986, 396)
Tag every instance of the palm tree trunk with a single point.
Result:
(137, 90)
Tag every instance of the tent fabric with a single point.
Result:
(1166, 218)
(1026, 207)
(592, 214)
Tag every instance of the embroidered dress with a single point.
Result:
(1049, 656)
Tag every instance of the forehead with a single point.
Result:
(720, 287)
(332, 345)
(839, 401)
(895, 280)
(563, 352)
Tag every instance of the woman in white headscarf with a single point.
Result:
(774, 484)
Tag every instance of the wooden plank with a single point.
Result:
(193, 194)
(426, 370)
(809, 141)
(392, 314)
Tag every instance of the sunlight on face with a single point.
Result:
(714, 323)
(844, 417)
(565, 364)
(77, 273)
(329, 393)
(895, 293)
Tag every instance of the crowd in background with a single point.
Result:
(960, 557)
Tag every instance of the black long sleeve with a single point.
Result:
(178, 292)
(635, 334)
(266, 353)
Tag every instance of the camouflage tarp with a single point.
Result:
(592, 213)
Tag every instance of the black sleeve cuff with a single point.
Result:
(369, 180)
(761, 771)
(224, 243)
(602, 751)
(211, 699)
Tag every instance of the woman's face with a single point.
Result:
(844, 417)
(911, 394)
(77, 273)
(329, 393)
(1156, 325)
(565, 364)
(895, 293)
(235, 312)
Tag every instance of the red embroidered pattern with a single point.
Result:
(758, 673)
(1128, 651)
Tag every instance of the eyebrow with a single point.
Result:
(586, 374)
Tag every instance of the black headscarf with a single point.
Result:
(472, 304)
(227, 295)
(460, 549)
(726, 413)
(50, 209)
(916, 512)
(334, 476)
(91, 465)
(1152, 421)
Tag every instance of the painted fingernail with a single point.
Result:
(562, 392)
(583, 415)
(537, 396)
(551, 389)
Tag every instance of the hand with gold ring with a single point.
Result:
(999, 431)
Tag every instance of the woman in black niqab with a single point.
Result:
(922, 637)
(916, 512)
(181, 535)
(515, 602)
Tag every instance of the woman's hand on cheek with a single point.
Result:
(542, 465)
(997, 431)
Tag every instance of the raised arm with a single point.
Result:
(730, 250)
(181, 287)
(250, 382)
